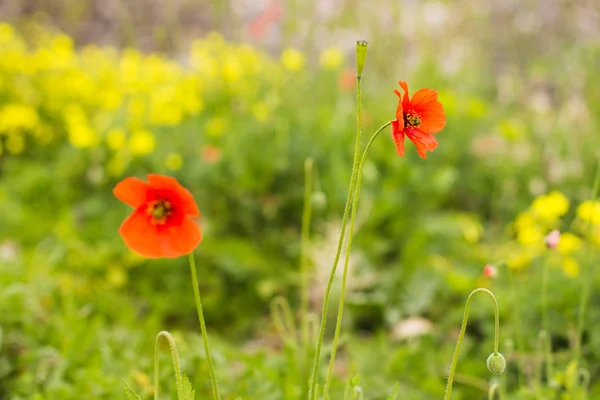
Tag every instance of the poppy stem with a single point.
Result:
(211, 368)
(338, 325)
(461, 335)
(361, 50)
(174, 356)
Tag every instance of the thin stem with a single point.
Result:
(312, 394)
(461, 336)
(587, 276)
(340, 313)
(174, 357)
(211, 368)
(495, 388)
(304, 238)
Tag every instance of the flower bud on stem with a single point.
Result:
(361, 56)
(495, 361)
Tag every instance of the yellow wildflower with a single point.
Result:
(570, 267)
(331, 58)
(519, 261)
(6, 32)
(530, 236)
(568, 243)
(141, 143)
(82, 136)
(524, 220)
(292, 59)
(116, 139)
(17, 116)
(550, 207)
(589, 211)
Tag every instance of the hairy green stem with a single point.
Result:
(211, 368)
(313, 380)
(461, 335)
(340, 313)
(174, 357)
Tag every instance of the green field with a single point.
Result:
(252, 106)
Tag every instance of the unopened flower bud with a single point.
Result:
(489, 271)
(496, 363)
(552, 239)
(361, 56)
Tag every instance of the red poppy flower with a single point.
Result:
(418, 118)
(160, 226)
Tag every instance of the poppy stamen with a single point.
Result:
(160, 211)
(412, 120)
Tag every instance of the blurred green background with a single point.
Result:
(231, 98)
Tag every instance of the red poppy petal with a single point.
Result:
(183, 238)
(423, 141)
(140, 235)
(433, 118)
(399, 111)
(132, 191)
(398, 135)
(156, 241)
(166, 182)
(405, 100)
(423, 96)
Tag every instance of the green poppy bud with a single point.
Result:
(496, 363)
(361, 55)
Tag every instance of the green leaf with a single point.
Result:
(185, 391)
(131, 394)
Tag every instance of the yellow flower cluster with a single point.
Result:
(588, 220)
(531, 228)
(122, 99)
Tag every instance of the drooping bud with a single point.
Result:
(552, 239)
(361, 56)
(489, 271)
(496, 363)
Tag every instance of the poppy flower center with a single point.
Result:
(159, 210)
(412, 120)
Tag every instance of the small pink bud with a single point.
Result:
(489, 271)
(552, 239)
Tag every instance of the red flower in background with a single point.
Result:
(418, 118)
(160, 226)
